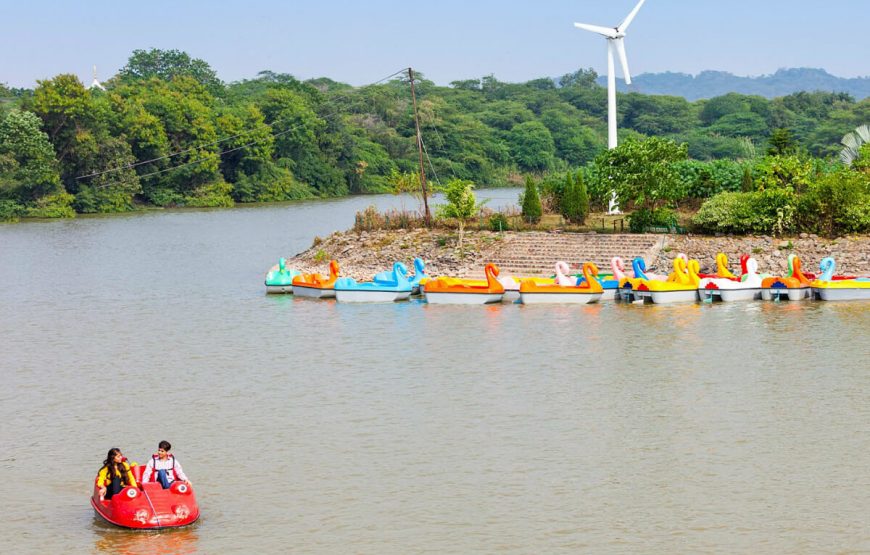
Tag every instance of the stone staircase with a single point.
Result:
(535, 253)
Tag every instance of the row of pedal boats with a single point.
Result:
(684, 284)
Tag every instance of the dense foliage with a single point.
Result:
(167, 132)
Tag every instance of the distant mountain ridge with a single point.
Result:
(709, 84)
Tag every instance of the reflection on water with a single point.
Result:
(111, 539)
(321, 427)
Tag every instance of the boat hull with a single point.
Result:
(279, 289)
(363, 296)
(313, 292)
(559, 298)
(730, 295)
(151, 508)
(783, 293)
(609, 294)
(666, 297)
(841, 294)
(463, 298)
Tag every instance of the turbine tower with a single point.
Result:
(614, 36)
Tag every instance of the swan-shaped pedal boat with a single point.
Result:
(681, 287)
(148, 507)
(828, 287)
(610, 284)
(628, 285)
(722, 271)
(385, 288)
(447, 290)
(418, 277)
(415, 280)
(565, 290)
(726, 289)
(279, 279)
(794, 287)
(315, 285)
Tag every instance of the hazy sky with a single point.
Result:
(359, 42)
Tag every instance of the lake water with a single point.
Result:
(314, 427)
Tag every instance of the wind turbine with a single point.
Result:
(615, 37)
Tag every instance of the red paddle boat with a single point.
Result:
(148, 507)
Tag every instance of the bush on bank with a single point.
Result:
(832, 204)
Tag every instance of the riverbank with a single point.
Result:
(363, 254)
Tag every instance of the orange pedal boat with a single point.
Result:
(316, 285)
(588, 291)
(447, 290)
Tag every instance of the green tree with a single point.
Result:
(582, 78)
(742, 124)
(746, 182)
(781, 172)
(575, 202)
(532, 146)
(781, 143)
(531, 206)
(28, 169)
(181, 140)
(166, 65)
(644, 176)
(461, 203)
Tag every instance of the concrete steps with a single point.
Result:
(535, 253)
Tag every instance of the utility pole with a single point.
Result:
(426, 216)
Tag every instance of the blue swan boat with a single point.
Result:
(419, 275)
(386, 287)
(279, 279)
(627, 292)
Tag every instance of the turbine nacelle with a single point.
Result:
(615, 37)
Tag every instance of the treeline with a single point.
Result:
(709, 84)
(167, 132)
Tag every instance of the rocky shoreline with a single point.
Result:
(851, 254)
(363, 254)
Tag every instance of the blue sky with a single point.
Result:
(359, 42)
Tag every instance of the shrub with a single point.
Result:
(746, 182)
(498, 222)
(211, 195)
(92, 200)
(269, 183)
(10, 211)
(532, 209)
(371, 220)
(51, 206)
(837, 202)
(552, 191)
(768, 211)
(704, 179)
(642, 219)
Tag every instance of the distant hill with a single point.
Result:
(708, 84)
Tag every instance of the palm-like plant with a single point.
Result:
(853, 142)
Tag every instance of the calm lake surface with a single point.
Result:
(313, 427)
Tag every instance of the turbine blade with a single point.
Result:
(624, 25)
(623, 60)
(606, 31)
